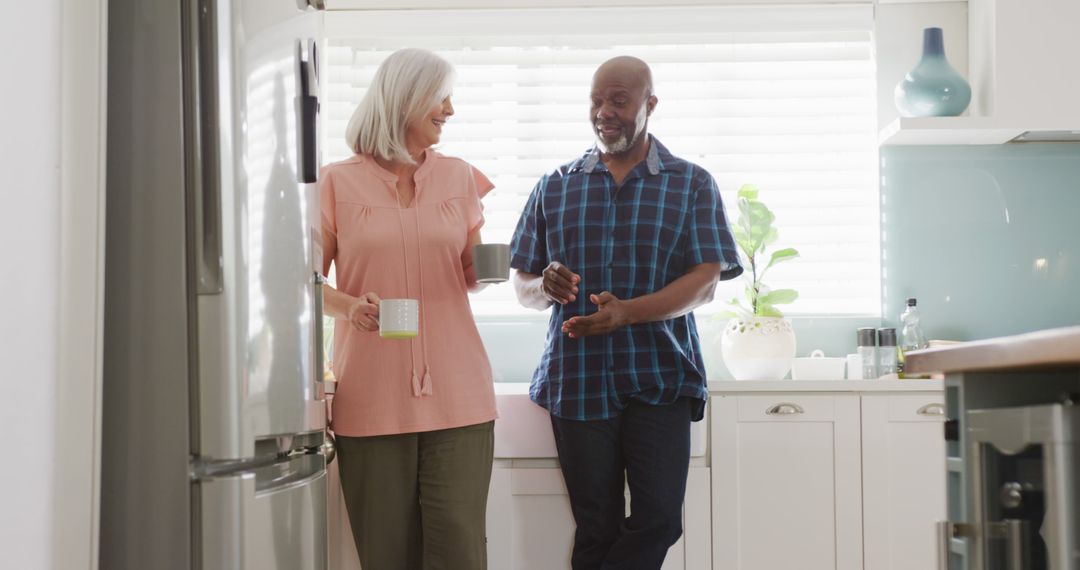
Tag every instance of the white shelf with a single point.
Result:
(947, 130)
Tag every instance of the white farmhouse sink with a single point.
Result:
(523, 429)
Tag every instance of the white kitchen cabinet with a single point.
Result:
(530, 526)
(786, 482)
(840, 475)
(903, 454)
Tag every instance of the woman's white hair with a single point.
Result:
(407, 84)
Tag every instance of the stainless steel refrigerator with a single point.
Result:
(212, 440)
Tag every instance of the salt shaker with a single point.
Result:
(886, 351)
(867, 351)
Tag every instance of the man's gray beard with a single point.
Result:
(620, 146)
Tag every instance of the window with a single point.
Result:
(779, 96)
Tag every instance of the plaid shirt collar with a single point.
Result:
(658, 159)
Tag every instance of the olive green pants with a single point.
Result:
(418, 501)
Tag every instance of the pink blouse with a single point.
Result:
(441, 378)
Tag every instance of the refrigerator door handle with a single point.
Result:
(317, 297)
(202, 168)
(307, 111)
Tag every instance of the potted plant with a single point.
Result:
(758, 343)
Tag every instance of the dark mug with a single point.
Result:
(491, 262)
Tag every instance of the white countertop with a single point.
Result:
(522, 388)
(824, 386)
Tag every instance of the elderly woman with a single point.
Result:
(413, 417)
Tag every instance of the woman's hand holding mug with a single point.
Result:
(364, 312)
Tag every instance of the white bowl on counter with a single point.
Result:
(817, 366)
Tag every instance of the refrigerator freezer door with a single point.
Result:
(257, 348)
(272, 518)
(145, 430)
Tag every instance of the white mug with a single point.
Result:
(491, 262)
(399, 318)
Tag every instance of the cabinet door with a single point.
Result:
(786, 482)
(530, 526)
(903, 479)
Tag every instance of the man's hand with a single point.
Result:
(612, 313)
(559, 284)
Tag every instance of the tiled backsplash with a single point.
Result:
(986, 237)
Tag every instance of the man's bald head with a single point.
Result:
(622, 102)
(628, 70)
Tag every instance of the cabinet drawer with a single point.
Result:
(537, 482)
(917, 408)
(786, 407)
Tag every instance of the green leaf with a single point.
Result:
(770, 238)
(742, 240)
(759, 214)
(744, 209)
(781, 255)
(768, 311)
(738, 232)
(778, 297)
(748, 191)
(749, 255)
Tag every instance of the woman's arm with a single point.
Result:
(362, 312)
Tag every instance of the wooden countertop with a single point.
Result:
(1049, 348)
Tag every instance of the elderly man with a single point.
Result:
(623, 242)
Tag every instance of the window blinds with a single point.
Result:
(782, 97)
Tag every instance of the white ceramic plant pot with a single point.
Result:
(759, 348)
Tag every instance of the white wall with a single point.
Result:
(29, 249)
(51, 228)
(898, 43)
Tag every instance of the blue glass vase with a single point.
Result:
(933, 88)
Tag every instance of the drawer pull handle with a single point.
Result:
(931, 410)
(784, 409)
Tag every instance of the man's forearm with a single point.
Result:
(679, 297)
(529, 291)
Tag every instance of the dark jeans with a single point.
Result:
(651, 445)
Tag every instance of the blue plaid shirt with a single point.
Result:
(631, 240)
